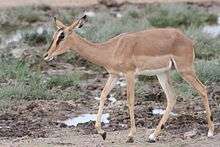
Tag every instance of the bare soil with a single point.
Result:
(114, 139)
(69, 3)
(39, 123)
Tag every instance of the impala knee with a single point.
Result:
(171, 103)
(97, 125)
(103, 96)
(133, 129)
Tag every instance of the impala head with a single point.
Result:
(61, 38)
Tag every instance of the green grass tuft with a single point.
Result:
(29, 84)
(206, 47)
(71, 79)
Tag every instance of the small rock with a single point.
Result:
(63, 125)
(141, 122)
(190, 134)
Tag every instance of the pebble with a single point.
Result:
(190, 134)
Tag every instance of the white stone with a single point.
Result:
(152, 137)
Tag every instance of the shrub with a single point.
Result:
(206, 47)
(207, 71)
(105, 26)
(175, 15)
(33, 38)
(19, 17)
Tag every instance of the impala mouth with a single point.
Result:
(47, 57)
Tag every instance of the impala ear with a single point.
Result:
(82, 21)
(79, 23)
(58, 23)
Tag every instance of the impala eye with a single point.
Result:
(61, 37)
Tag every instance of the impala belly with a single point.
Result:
(155, 71)
(152, 65)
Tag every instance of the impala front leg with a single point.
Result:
(108, 87)
(130, 95)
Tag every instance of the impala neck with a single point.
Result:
(94, 52)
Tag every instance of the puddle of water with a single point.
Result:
(158, 111)
(84, 118)
(213, 30)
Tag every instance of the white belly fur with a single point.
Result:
(154, 71)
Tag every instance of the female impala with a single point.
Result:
(147, 52)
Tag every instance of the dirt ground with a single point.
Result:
(69, 3)
(40, 123)
(114, 139)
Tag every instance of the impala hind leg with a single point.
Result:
(108, 87)
(190, 77)
(171, 100)
(130, 95)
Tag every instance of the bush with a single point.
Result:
(33, 38)
(13, 18)
(176, 15)
(206, 47)
(207, 71)
(104, 27)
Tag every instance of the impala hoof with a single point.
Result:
(103, 135)
(151, 141)
(210, 134)
(130, 140)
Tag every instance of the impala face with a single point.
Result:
(61, 38)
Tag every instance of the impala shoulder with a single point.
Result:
(127, 38)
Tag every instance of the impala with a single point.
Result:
(148, 52)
